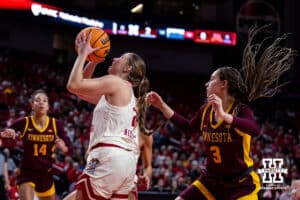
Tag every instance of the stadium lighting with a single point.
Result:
(137, 9)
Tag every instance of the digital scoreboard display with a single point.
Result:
(216, 37)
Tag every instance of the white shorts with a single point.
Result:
(111, 171)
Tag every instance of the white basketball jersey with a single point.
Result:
(115, 125)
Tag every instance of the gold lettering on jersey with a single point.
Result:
(217, 137)
(40, 138)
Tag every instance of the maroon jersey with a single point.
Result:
(227, 146)
(39, 143)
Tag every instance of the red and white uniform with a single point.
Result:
(115, 125)
(111, 162)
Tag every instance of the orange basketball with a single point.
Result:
(99, 38)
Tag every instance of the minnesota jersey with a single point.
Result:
(227, 145)
(115, 125)
(39, 143)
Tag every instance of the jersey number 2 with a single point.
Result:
(216, 154)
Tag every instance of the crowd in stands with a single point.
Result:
(177, 159)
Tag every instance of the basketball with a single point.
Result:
(99, 38)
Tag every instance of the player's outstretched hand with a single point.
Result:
(8, 133)
(154, 99)
(144, 180)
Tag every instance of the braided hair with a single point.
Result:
(262, 67)
(137, 77)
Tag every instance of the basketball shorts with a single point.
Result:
(109, 174)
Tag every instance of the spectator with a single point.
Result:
(4, 180)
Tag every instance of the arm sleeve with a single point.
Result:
(245, 121)
(187, 126)
(63, 135)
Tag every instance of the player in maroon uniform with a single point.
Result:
(40, 135)
(227, 124)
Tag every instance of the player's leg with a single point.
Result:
(75, 195)
(197, 190)
(202, 188)
(52, 197)
(79, 195)
(26, 191)
(86, 187)
(48, 194)
(71, 196)
(244, 188)
(45, 187)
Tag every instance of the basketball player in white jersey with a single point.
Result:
(118, 118)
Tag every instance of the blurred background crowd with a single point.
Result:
(36, 52)
(177, 158)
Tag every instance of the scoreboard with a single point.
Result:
(216, 37)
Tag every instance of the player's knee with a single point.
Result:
(179, 198)
(132, 195)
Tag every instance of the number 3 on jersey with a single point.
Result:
(216, 154)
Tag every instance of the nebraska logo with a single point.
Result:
(272, 170)
(92, 164)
